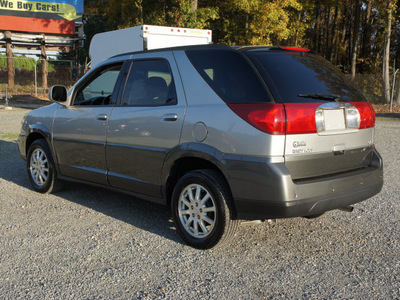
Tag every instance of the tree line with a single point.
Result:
(358, 36)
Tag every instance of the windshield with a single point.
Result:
(302, 77)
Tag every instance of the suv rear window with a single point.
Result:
(230, 75)
(298, 73)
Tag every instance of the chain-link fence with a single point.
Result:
(28, 75)
(28, 78)
(371, 86)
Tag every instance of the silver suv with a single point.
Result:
(219, 133)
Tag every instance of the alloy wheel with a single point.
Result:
(197, 210)
(39, 167)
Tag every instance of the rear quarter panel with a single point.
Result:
(226, 131)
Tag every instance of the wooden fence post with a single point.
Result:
(10, 60)
(44, 62)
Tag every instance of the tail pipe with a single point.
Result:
(347, 208)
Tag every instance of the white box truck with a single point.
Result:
(107, 44)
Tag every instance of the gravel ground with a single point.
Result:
(87, 243)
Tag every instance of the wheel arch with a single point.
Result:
(36, 132)
(189, 157)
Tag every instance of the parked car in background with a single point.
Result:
(219, 133)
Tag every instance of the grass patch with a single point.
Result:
(387, 119)
(9, 136)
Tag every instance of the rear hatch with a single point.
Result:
(329, 125)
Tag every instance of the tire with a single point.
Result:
(202, 209)
(41, 171)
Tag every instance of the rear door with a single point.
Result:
(146, 125)
(329, 126)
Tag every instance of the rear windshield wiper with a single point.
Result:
(321, 96)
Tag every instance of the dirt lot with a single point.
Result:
(87, 243)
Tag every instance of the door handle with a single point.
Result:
(101, 117)
(169, 118)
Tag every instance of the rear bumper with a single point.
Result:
(270, 192)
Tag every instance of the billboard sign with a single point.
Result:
(46, 16)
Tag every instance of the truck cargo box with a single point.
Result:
(107, 44)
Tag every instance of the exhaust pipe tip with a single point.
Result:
(347, 208)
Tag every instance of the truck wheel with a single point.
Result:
(202, 209)
(41, 170)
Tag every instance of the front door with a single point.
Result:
(79, 129)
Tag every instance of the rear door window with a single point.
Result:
(294, 75)
(230, 75)
(150, 83)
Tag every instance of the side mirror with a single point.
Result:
(58, 93)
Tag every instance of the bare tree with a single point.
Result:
(397, 100)
(194, 5)
(355, 38)
(386, 54)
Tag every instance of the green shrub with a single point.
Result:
(26, 63)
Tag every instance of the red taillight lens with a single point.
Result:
(289, 118)
(267, 117)
(367, 114)
(301, 118)
(293, 118)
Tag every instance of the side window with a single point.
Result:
(99, 89)
(230, 75)
(150, 83)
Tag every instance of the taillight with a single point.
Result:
(367, 114)
(267, 117)
(301, 118)
(290, 118)
(353, 118)
(304, 118)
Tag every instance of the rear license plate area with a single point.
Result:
(334, 119)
